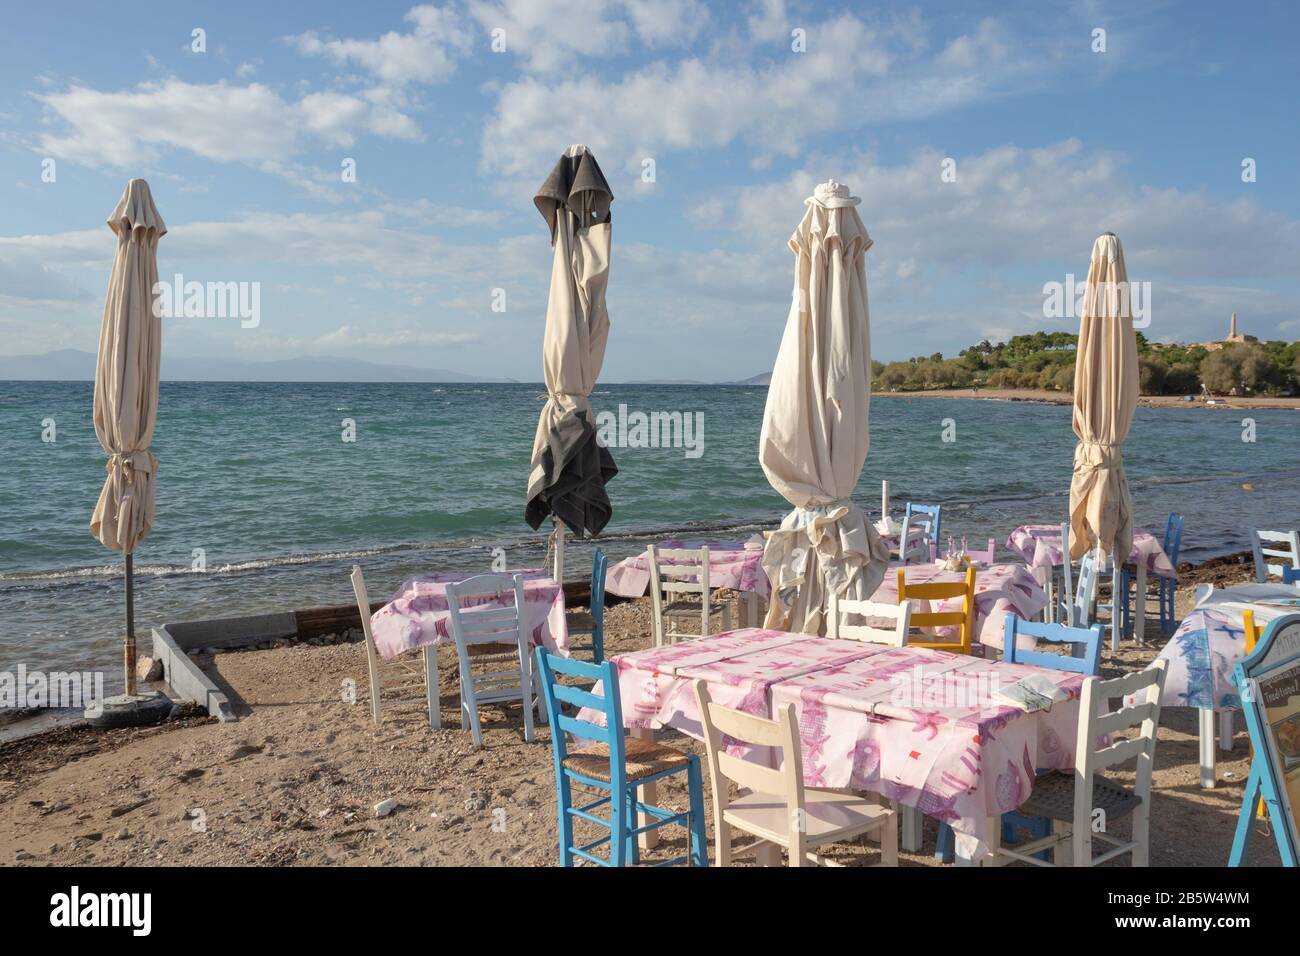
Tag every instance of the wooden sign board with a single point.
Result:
(1269, 682)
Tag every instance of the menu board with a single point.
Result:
(1270, 684)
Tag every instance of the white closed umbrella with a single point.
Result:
(815, 433)
(1105, 399)
(126, 389)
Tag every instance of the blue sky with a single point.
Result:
(243, 144)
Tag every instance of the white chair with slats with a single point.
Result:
(1266, 545)
(896, 618)
(1071, 801)
(490, 633)
(774, 805)
(677, 576)
(392, 681)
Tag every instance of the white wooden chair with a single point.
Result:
(683, 574)
(1072, 802)
(1274, 544)
(775, 806)
(392, 681)
(900, 616)
(491, 636)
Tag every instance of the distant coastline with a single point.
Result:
(1042, 395)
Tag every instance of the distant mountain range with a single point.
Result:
(73, 365)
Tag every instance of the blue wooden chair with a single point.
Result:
(1290, 575)
(1172, 544)
(592, 621)
(615, 764)
(1084, 658)
(927, 518)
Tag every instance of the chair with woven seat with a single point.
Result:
(920, 532)
(1071, 800)
(391, 681)
(1164, 587)
(677, 576)
(941, 591)
(774, 806)
(897, 619)
(615, 765)
(489, 632)
(1274, 551)
(592, 621)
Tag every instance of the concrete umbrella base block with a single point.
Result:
(131, 711)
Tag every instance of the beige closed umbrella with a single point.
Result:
(815, 425)
(126, 389)
(1105, 398)
(569, 467)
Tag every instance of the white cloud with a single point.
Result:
(426, 54)
(555, 34)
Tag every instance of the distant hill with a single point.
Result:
(76, 366)
(762, 378)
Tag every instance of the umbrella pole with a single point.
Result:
(129, 645)
(559, 550)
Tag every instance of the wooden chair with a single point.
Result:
(1290, 576)
(391, 681)
(1085, 650)
(896, 635)
(919, 532)
(493, 635)
(1165, 587)
(615, 765)
(1253, 633)
(687, 575)
(1084, 603)
(775, 806)
(940, 591)
(1274, 544)
(1071, 800)
(592, 621)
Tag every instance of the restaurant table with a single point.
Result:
(914, 725)
(731, 565)
(999, 589)
(1040, 546)
(1205, 648)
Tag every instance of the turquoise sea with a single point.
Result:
(258, 477)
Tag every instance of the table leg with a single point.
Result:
(646, 794)
(431, 685)
(994, 827)
(1207, 748)
(748, 609)
(910, 838)
(1140, 604)
(1225, 731)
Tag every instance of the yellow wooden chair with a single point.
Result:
(942, 591)
(1253, 633)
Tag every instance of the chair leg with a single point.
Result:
(944, 844)
(618, 828)
(565, 800)
(699, 839)
(889, 842)
(431, 686)
(632, 851)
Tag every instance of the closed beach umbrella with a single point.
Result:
(569, 467)
(126, 388)
(1105, 397)
(815, 426)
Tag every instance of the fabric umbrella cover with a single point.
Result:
(569, 466)
(126, 375)
(1105, 398)
(815, 426)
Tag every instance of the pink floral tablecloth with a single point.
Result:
(731, 565)
(1040, 546)
(419, 615)
(999, 588)
(916, 725)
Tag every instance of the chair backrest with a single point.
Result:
(1252, 630)
(1290, 575)
(940, 591)
(1173, 542)
(1274, 544)
(679, 570)
(920, 530)
(898, 616)
(1098, 722)
(372, 652)
(563, 724)
(476, 615)
(1085, 593)
(599, 567)
(780, 734)
(1087, 639)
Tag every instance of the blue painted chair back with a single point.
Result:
(599, 566)
(1087, 638)
(1290, 575)
(1173, 537)
(556, 694)
(932, 512)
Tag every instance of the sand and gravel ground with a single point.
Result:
(296, 780)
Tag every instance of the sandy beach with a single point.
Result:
(296, 779)
(1065, 398)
